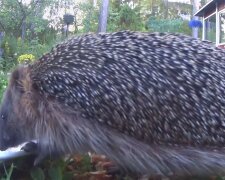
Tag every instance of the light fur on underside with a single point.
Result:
(70, 133)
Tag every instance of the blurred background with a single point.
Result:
(34, 26)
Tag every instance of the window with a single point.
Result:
(222, 27)
(210, 28)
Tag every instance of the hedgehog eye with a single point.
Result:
(3, 117)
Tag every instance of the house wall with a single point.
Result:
(221, 7)
(212, 9)
(210, 12)
(215, 8)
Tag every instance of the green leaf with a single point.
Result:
(37, 174)
(55, 173)
(68, 176)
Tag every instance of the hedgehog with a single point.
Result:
(153, 103)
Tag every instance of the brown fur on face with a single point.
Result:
(18, 106)
(32, 116)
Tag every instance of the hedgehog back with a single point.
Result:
(156, 87)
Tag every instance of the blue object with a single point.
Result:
(195, 23)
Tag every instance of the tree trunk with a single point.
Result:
(165, 9)
(102, 24)
(195, 8)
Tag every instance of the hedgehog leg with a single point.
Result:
(33, 148)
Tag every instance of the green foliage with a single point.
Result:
(85, 164)
(165, 25)
(130, 18)
(35, 47)
(14, 14)
(9, 45)
(3, 83)
(52, 170)
(8, 174)
(124, 18)
(57, 170)
(55, 173)
(120, 17)
(113, 19)
(9, 16)
(13, 48)
(90, 14)
(37, 174)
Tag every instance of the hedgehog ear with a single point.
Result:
(21, 79)
(15, 76)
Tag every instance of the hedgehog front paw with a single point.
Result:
(30, 147)
(39, 158)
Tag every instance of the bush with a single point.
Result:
(3, 83)
(13, 48)
(130, 18)
(25, 58)
(124, 18)
(33, 47)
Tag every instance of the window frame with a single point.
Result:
(221, 11)
(204, 26)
